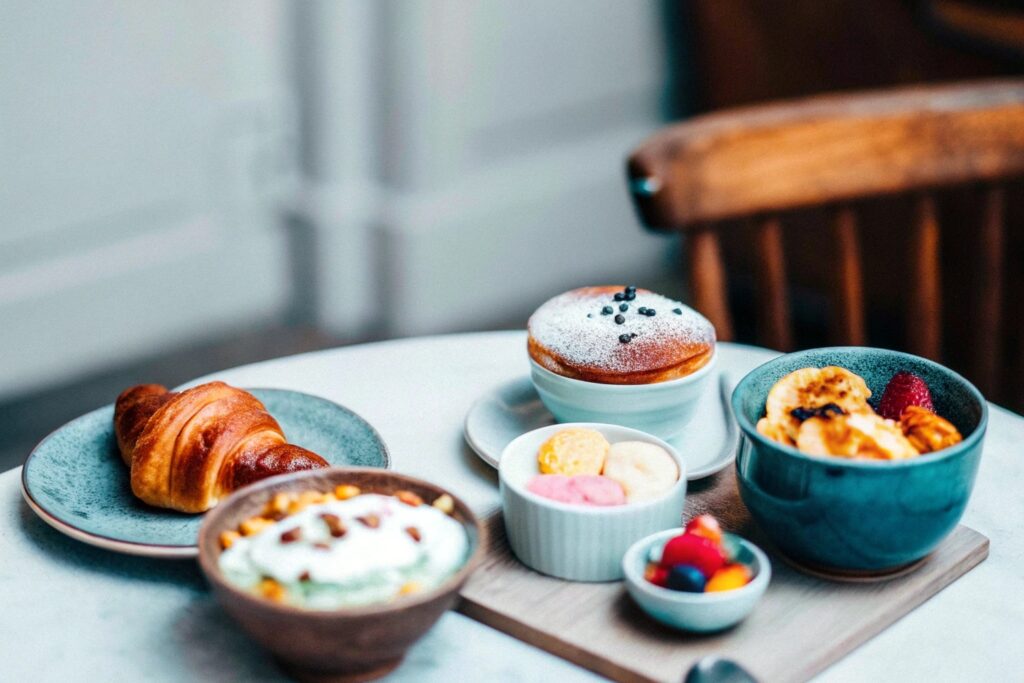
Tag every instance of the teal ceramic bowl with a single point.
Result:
(697, 612)
(858, 516)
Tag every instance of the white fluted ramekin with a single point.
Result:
(578, 542)
(660, 408)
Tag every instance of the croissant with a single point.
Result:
(189, 449)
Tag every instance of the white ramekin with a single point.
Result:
(577, 542)
(661, 408)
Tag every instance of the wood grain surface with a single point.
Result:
(802, 625)
(830, 148)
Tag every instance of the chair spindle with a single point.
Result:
(707, 280)
(990, 290)
(772, 303)
(849, 327)
(924, 316)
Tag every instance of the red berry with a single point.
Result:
(657, 575)
(904, 389)
(691, 549)
(706, 526)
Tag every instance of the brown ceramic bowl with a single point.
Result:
(347, 644)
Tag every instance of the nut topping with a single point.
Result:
(334, 524)
(371, 521)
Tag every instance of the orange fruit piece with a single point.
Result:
(728, 578)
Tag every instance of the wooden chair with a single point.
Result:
(832, 151)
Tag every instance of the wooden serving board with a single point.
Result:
(802, 624)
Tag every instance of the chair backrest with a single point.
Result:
(831, 151)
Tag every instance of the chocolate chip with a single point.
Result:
(619, 296)
(677, 311)
(322, 546)
(304, 576)
(623, 307)
(826, 411)
(291, 535)
(619, 319)
(625, 338)
(414, 533)
(607, 310)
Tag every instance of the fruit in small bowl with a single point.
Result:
(836, 484)
(699, 579)
(338, 571)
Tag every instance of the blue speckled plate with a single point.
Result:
(76, 482)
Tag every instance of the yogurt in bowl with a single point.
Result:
(352, 565)
(369, 548)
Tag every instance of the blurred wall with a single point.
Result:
(176, 170)
(143, 148)
(465, 158)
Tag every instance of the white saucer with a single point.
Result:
(708, 444)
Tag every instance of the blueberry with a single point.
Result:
(631, 289)
(623, 307)
(619, 319)
(590, 315)
(642, 310)
(619, 296)
(629, 296)
(625, 338)
(677, 311)
(650, 312)
(687, 578)
(607, 310)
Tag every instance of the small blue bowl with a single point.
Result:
(697, 612)
(858, 516)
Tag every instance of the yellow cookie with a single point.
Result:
(573, 451)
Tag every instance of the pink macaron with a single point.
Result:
(580, 489)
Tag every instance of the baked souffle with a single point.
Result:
(619, 335)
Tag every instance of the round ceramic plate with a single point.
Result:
(708, 444)
(77, 483)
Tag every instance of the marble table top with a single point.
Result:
(73, 612)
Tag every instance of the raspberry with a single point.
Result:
(706, 526)
(904, 389)
(694, 550)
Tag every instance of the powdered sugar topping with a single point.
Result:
(578, 327)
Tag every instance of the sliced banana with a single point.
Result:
(813, 388)
(774, 432)
(644, 470)
(857, 435)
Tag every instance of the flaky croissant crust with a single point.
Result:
(189, 449)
